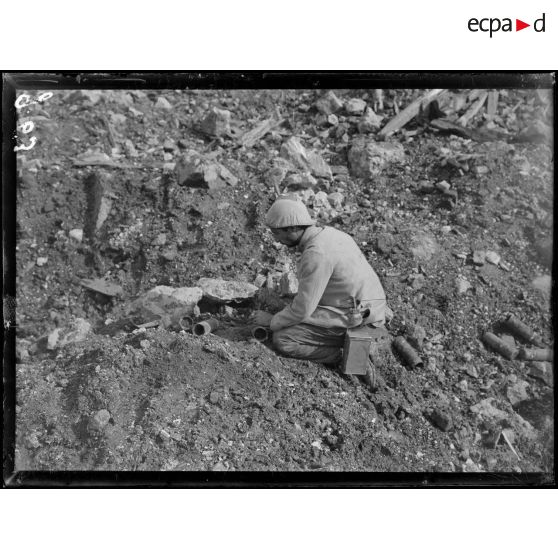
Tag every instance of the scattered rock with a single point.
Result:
(217, 123)
(221, 466)
(99, 420)
(368, 159)
(76, 234)
(462, 285)
(74, 332)
(492, 257)
(355, 107)
(226, 291)
(542, 371)
(416, 335)
(164, 436)
(441, 419)
(479, 257)
(294, 152)
(162, 103)
(423, 246)
(300, 181)
(214, 397)
(41, 261)
(289, 283)
(329, 103)
(517, 392)
(543, 283)
(332, 120)
(370, 122)
(486, 409)
(193, 170)
(163, 300)
(336, 200)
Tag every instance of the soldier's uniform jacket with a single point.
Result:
(332, 270)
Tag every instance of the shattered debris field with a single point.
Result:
(139, 209)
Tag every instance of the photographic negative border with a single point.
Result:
(14, 81)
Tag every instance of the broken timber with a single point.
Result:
(252, 136)
(409, 112)
(473, 109)
(450, 127)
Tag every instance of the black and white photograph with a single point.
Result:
(230, 273)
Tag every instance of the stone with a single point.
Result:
(288, 283)
(159, 240)
(368, 159)
(329, 103)
(164, 436)
(336, 200)
(417, 281)
(355, 107)
(74, 332)
(221, 466)
(332, 120)
(369, 122)
(485, 409)
(492, 257)
(168, 145)
(517, 392)
(416, 335)
(542, 371)
(277, 173)
(42, 260)
(302, 181)
(294, 152)
(442, 419)
(194, 170)
(479, 257)
(226, 291)
(214, 397)
(162, 103)
(99, 420)
(166, 301)
(217, 123)
(76, 234)
(543, 284)
(423, 246)
(321, 200)
(462, 285)
(130, 149)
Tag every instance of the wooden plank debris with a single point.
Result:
(492, 104)
(102, 286)
(473, 109)
(252, 136)
(450, 127)
(409, 112)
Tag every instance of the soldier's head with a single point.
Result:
(287, 219)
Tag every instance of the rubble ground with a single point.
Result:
(136, 208)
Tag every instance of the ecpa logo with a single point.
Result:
(494, 24)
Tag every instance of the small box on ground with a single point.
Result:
(356, 350)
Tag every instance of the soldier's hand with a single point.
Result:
(262, 318)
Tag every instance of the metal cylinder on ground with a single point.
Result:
(546, 355)
(186, 323)
(205, 327)
(500, 346)
(261, 333)
(519, 329)
(406, 352)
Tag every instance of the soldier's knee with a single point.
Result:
(283, 342)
